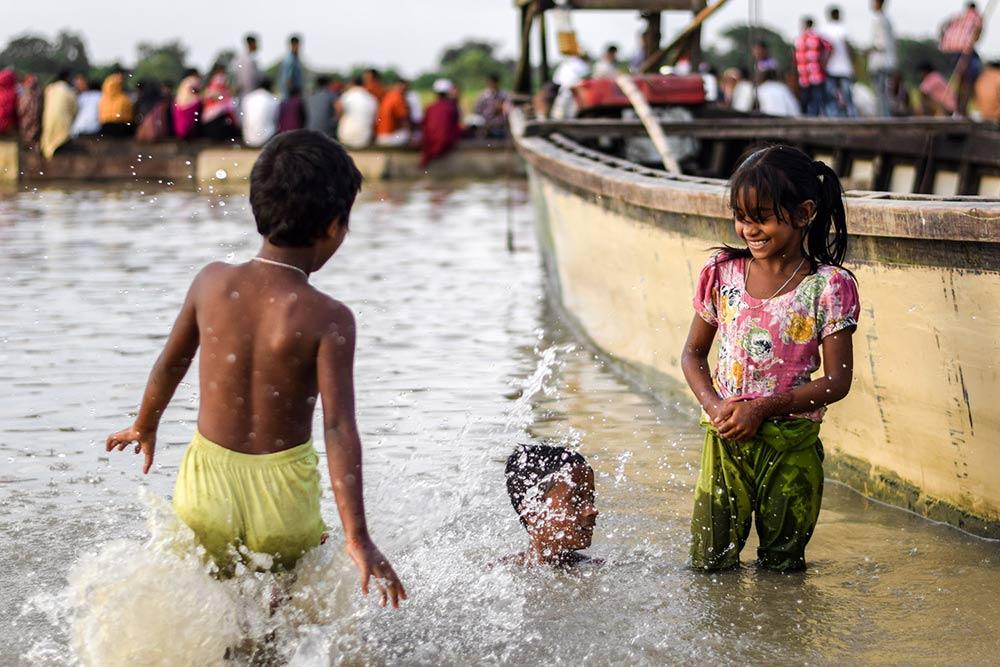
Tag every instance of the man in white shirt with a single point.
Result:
(244, 68)
(882, 59)
(607, 66)
(839, 68)
(259, 109)
(774, 98)
(357, 108)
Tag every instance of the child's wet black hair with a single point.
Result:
(302, 181)
(530, 464)
(782, 179)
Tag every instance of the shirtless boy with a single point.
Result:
(270, 342)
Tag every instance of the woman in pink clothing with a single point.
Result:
(774, 304)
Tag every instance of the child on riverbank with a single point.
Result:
(270, 342)
(774, 303)
(552, 491)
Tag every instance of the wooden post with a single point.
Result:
(522, 75)
(543, 47)
(652, 35)
(694, 50)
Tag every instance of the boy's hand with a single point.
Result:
(740, 420)
(371, 563)
(145, 443)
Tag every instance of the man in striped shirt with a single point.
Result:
(811, 55)
(958, 41)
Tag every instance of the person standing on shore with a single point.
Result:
(290, 75)
(58, 114)
(882, 60)
(839, 67)
(958, 41)
(245, 71)
(812, 53)
(357, 109)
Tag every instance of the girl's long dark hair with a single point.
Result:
(782, 178)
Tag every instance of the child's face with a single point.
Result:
(566, 517)
(769, 236)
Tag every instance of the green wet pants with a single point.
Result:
(777, 475)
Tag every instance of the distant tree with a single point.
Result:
(913, 52)
(163, 62)
(740, 39)
(468, 63)
(35, 54)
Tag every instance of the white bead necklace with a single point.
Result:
(746, 277)
(265, 260)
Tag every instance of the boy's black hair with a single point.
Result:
(782, 179)
(531, 464)
(302, 181)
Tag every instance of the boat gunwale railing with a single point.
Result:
(872, 213)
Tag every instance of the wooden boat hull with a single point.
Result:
(921, 427)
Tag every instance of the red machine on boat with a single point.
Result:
(597, 96)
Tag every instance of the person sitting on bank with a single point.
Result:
(392, 125)
(936, 96)
(492, 107)
(219, 119)
(115, 109)
(8, 101)
(260, 114)
(321, 116)
(442, 129)
(356, 109)
(372, 81)
(774, 98)
(187, 105)
(607, 66)
(552, 491)
(86, 122)
(58, 112)
(292, 111)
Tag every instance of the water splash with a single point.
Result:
(159, 603)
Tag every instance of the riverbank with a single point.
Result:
(95, 159)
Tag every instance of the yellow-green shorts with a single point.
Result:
(266, 502)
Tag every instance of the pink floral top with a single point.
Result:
(770, 347)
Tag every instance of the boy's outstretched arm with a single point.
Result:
(167, 373)
(335, 369)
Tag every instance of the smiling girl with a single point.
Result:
(774, 304)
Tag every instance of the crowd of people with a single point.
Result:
(822, 79)
(240, 103)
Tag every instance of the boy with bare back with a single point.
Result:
(270, 342)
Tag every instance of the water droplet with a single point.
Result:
(221, 174)
(231, 358)
(234, 295)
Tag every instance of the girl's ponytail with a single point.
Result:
(826, 236)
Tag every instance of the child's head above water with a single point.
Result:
(302, 188)
(552, 491)
(780, 184)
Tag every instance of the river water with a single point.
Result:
(460, 356)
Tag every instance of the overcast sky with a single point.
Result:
(409, 34)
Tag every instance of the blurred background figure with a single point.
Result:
(356, 109)
(244, 69)
(29, 111)
(187, 105)
(839, 67)
(321, 114)
(607, 66)
(259, 110)
(87, 122)
(988, 92)
(8, 101)
(442, 128)
(492, 107)
(292, 111)
(882, 61)
(392, 125)
(936, 96)
(959, 35)
(58, 112)
(290, 74)
(115, 110)
(219, 119)
(812, 53)
(774, 98)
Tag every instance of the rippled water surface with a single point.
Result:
(460, 355)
